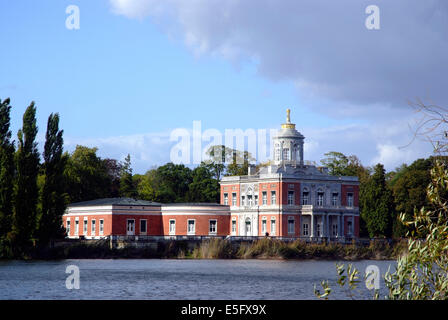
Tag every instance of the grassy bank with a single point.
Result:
(223, 249)
(277, 249)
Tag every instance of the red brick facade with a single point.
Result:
(209, 220)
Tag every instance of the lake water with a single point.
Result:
(176, 279)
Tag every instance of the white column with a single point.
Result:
(339, 226)
(353, 225)
(312, 225)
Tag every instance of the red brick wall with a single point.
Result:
(107, 224)
(229, 190)
(285, 188)
(355, 224)
(285, 226)
(153, 224)
(201, 225)
(349, 188)
(268, 187)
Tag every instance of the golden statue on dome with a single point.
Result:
(288, 124)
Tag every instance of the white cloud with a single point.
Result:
(339, 68)
(322, 46)
(393, 156)
(146, 150)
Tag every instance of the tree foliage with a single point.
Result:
(127, 185)
(26, 198)
(376, 201)
(7, 172)
(409, 186)
(204, 186)
(87, 175)
(54, 199)
(421, 273)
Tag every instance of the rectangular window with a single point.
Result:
(334, 230)
(264, 229)
(68, 226)
(305, 229)
(277, 153)
(264, 198)
(85, 226)
(249, 200)
(76, 227)
(305, 198)
(273, 197)
(130, 227)
(335, 199)
(93, 228)
(273, 227)
(291, 225)
(233, 226)
(349, 227)
(143, 226)
(350, 199)
(226, 199)
(172, 227)
(191, 227)
(101, 226)
(318, 229)
(256, 200)
(243, 200)
(234, 199)
(320, 199)
(212, 227)
(290, 197)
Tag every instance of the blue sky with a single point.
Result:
(137, 69)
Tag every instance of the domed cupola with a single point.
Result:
(288, 144)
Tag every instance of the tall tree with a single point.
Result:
(377, 204)
(217, 160)
(25, 213)
(409, 186)
(53, 195)
(172, 183)
(127, 186)
(239, 164)
(7, 169)
(86, 175)
(339, 164)
(114, 169)
(204, 187)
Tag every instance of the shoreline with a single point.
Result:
(262, 249)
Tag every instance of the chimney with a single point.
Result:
(251, 170)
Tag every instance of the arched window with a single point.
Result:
(248, 226)
(286, 154)
(277, 152)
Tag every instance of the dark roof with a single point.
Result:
(194, 204)
(115, 201)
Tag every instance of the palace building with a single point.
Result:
(287, 198)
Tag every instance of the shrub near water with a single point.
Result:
(214, 249)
